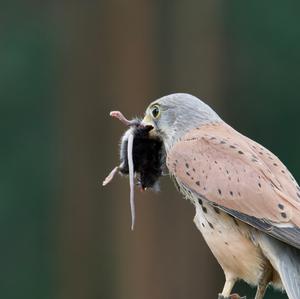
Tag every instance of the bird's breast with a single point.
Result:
(231, 241)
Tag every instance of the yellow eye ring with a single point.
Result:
(155, 111)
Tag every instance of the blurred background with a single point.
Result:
(64, 66)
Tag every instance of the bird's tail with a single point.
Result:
(286, 261)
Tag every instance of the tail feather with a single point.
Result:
(286, 261)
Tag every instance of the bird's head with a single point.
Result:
(173, 115)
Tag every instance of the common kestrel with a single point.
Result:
(247, 202)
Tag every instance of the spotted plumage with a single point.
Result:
(247, 202)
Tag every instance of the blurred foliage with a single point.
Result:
(27, 185)
(263, 51)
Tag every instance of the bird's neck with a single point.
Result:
(177, 133)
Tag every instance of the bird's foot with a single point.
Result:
(232, 296)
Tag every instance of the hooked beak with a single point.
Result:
(148, 122)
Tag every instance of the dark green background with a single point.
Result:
(63, 66)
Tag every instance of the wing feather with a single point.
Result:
(240, 176)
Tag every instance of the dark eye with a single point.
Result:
(155, 111)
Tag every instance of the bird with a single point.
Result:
(247, 202)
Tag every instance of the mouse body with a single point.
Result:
(147, 155)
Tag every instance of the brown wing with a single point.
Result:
(242, 177)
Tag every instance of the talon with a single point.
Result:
(232, 296)
(236, 296)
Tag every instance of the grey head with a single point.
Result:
(174, 115)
